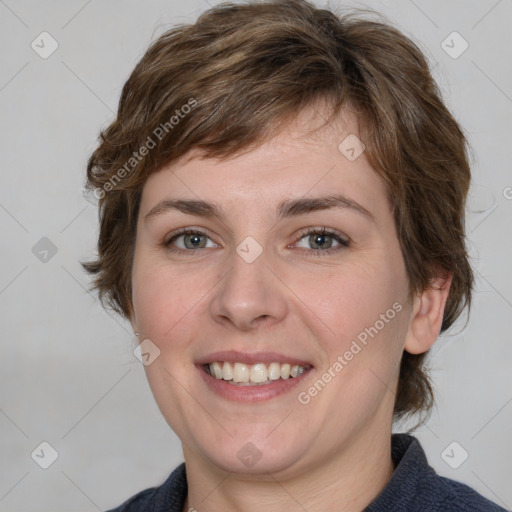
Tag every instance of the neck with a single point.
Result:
(345, 482)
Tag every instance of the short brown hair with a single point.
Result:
(244, 71)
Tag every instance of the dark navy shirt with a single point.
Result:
(414, 487)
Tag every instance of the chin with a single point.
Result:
(253, 454)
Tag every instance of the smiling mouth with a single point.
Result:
(259, 374)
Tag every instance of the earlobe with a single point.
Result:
(427, 315)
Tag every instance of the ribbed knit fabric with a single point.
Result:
(414, 487)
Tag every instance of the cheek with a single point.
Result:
(352, 298)
(164, 298)
(365, 307)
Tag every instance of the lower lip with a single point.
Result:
(251, 393)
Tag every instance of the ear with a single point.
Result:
(427, 315)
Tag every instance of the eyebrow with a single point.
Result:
(287, 208)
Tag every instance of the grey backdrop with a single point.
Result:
(68, 375)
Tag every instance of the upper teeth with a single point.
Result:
(256, 373)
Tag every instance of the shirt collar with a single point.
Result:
(411, 466)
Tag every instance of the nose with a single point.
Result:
(250, 294)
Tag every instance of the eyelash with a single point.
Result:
(316, 252)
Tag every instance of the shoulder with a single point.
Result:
(444, 494)
(140, 501)
(168, 497)
(416, 487)
(458, 497)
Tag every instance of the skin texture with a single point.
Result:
(295, 299)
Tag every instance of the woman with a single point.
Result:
(282, 221)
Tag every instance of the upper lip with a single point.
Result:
(233, 356)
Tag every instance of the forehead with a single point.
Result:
(307, 158)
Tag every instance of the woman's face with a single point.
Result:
(256, 281)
